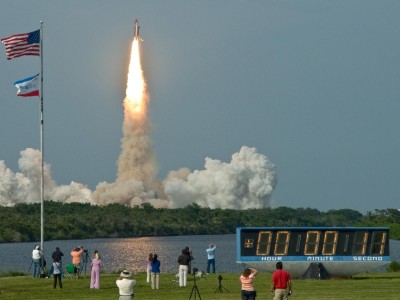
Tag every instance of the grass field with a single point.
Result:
(363, 286)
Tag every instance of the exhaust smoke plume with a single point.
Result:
(136, 179)
(245, 182)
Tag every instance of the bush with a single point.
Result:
(12, 274)
(394, 267)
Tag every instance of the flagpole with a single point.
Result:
(41, 142)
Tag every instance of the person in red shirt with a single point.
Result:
(281, 284)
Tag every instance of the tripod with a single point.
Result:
(195, 290)
(220, 288)
(85, 259)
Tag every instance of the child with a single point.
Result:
(57, 272)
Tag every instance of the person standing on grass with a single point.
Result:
(57, 273)
(281, 286)
(125, 285)
(58, 255)
(211, 258)
(247, 279)
(148, 267)
(95, 271)
(36, 257)
(155, 272)
(183, 266)
(76, 260)
(189, 252)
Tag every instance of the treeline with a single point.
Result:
(21, 223)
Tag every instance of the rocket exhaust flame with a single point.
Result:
(136, 95)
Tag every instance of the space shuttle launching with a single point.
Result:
(136, 31)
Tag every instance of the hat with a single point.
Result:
(37, 248)
(125, 274)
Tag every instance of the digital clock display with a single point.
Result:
(313, 241)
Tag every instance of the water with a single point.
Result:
(131, 253)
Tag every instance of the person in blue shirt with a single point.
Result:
(211, 258)
(155, 272)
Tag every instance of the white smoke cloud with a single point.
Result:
(131, 192)
(246, 182)
(24, 187)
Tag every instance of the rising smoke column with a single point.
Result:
(137, 158)
(136, 178)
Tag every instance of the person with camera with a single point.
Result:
(125, 285)
(76, 259)
(37, 255)
(281, 286)
(183, 267)
(247, 279)
(211, 257)
(57, 254)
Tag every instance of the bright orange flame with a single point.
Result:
(136, 86)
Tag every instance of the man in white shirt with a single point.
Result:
(211, 257)
(125, 285)
(36, 256)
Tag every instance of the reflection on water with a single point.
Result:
(131, 253)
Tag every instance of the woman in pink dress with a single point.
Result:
(95, 272)
(148, 266)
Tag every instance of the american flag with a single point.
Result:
(22, 44)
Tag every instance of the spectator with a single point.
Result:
(247, 279)
(57, 272)
(148, 267)
(211, 258)
(189, 252)
(155, 272)
(183, 265)
(125, 285)
(57, 254)
(36, 261)
(76, 260)
(95, 271)
(281, 283)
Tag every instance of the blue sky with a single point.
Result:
(313, 85)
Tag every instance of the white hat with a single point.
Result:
(125, 274)
(37, 247)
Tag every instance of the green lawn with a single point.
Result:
(364, 286)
